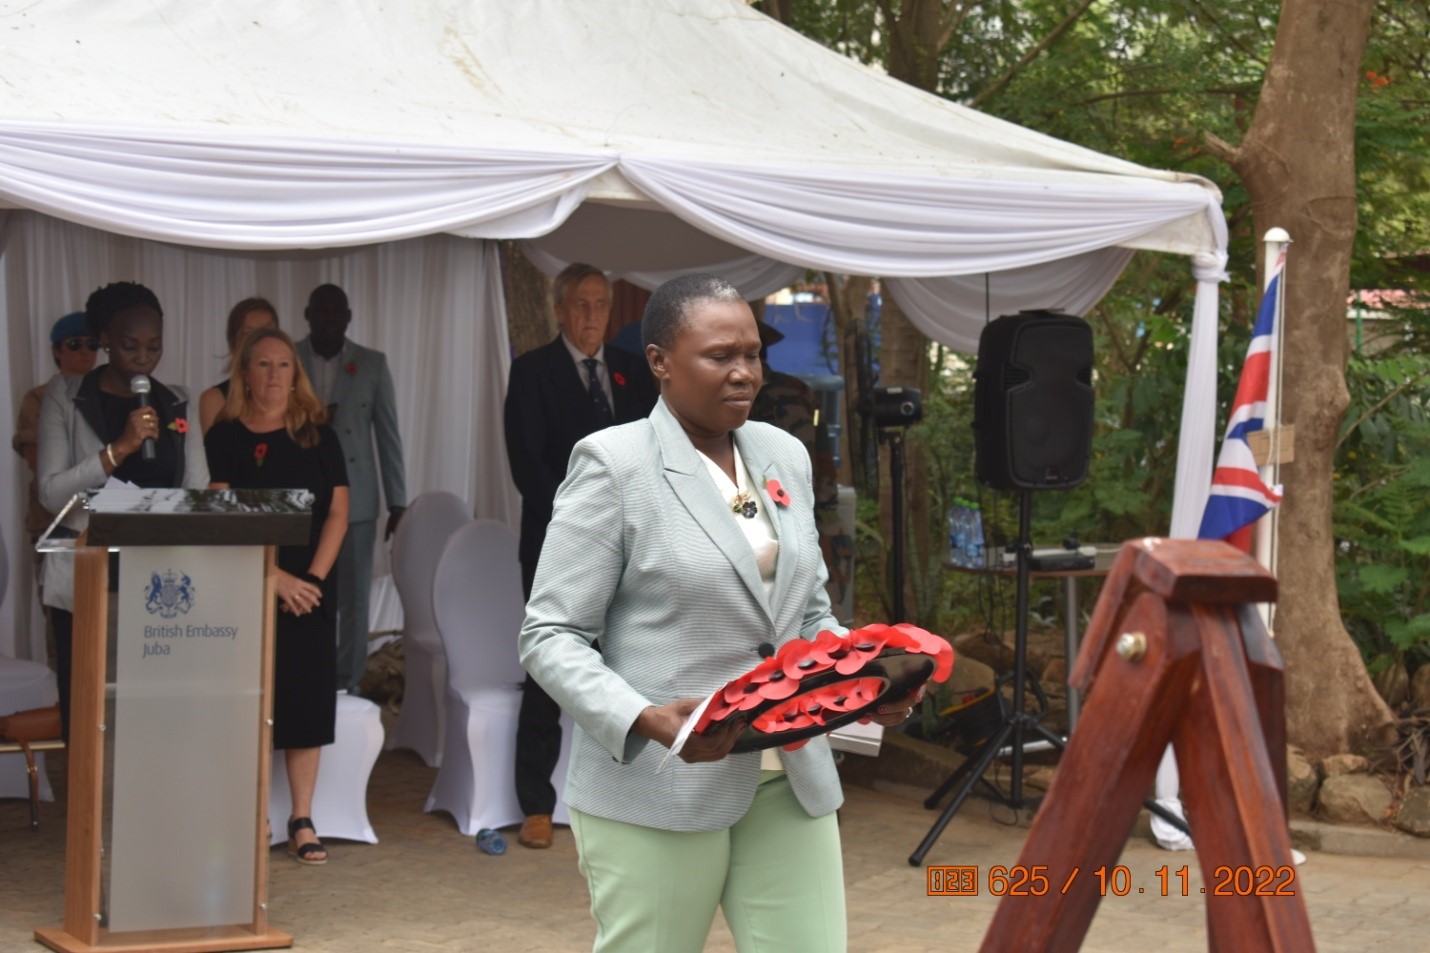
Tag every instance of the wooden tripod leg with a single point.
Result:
(1253, 899)
(1268, 684)
(1126, 721)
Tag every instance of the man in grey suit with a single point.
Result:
(354, 383)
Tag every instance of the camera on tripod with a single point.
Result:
(894, 407)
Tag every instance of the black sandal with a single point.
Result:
(304, 854)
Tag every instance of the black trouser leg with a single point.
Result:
(538, 736)
(62, 623)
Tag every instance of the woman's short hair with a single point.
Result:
(305, 412)
(242, 310)
(113, 298)
(670, 305)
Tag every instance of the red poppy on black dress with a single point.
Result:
(259, 452)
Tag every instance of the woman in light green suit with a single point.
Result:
(667, 546)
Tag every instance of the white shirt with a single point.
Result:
(760, 534)
(603, 373)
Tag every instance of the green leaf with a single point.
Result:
(1379, 577)
(1405, 635)
(1420, 545)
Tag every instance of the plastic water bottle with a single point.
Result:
(973, 538)
(491, 842)
(957, 526)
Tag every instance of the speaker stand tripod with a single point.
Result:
(1018, 723)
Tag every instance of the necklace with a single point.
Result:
(743, 502)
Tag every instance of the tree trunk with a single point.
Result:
(530, 319)
(1298, 164)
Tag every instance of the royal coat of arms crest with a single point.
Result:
(169, 594)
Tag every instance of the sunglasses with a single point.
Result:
(75, 343)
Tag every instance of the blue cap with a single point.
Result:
(71, 325)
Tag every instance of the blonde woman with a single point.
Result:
(270, 434)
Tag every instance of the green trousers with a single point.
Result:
(778, 874)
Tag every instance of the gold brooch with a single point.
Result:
(744, 505)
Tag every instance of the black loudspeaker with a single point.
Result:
(1032, 401)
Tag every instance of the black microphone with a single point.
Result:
(140, 386)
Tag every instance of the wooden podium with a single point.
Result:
(1175, 652)
(171, 718)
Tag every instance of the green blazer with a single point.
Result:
(642, 554)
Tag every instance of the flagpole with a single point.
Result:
(1277, 241)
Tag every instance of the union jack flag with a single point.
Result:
(1238, 496)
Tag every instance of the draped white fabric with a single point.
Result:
(755, 275)
(259, 127)
(221, 190)
(1196, 444)
(434, 305)
(913, 226)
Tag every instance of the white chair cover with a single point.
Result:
(417, 545)
(479, 608)
(24, 685)
(340, 798)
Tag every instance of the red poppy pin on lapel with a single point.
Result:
(619, 378)
(777, 492)
(351, 368)
(179, 425)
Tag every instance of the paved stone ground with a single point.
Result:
(427, 888)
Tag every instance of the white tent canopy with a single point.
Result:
(645, 136)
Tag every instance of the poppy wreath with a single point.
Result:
(815, 685)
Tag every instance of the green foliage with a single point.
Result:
(1382, 522)
(1146, 80)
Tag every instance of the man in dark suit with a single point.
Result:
(556, 395)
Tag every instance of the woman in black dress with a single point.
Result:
(270, 435)
(248, 315)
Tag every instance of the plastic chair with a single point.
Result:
(417, 545)
(479, 609)
(340, 797)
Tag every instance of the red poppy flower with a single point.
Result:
(619, 378)
(801, 658)
(179, 425)
(777, 492)
(259, 452)
(769, 679)
(743, 693)
(351, 368)
(929, 644)
(828, 648)
(864, 645)
(817, 706)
